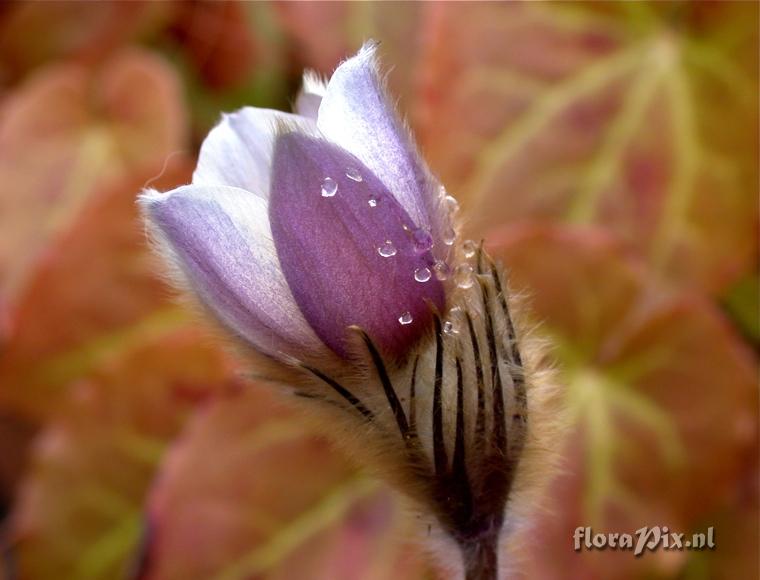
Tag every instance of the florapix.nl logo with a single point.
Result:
(644, 539)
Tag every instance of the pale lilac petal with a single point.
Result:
(238, 151)
(218, 238)
(356, 114)
(310, 97)
(328, 235)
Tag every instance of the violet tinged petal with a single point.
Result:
(310, 97)
(356, 114)
(219, 240)
(238, 151)
(330, 216)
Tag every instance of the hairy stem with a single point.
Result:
(481, 560)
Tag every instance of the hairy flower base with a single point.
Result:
(451, 424)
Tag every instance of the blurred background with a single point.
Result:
(607, 152)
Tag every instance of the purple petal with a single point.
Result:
(219, 240)
(238, 151)
(331, 220)
(356, 114)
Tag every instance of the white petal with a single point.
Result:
(310, 97)
(219, 240)
(238, 151)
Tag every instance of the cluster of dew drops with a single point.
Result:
(423, 241)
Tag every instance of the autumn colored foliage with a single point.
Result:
(607, 153)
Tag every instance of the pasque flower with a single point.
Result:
(324, 245)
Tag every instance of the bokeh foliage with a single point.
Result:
(606, 152)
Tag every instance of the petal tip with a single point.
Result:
(314, 83)
(369, 48)
(365, 57)
(149, 197)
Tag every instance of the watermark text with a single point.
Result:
(643, 540)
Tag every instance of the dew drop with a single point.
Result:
(405, 318)
(442, 270)
(353, 174)
(449, 237)
(387, 249)
(452, 204)
(449, 328)
(463, 276)
(373, 201)
(329, 187)
(469, 248)
(422, 274)
(422, 239)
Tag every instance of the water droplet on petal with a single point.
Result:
(422, 239)
(442, 270)
(329, 187)
(422, 274)
(449, 237)
(452, 204)
(405, 318)
(353, 173)
(449, 328)
(373, 201)
(463, 276)
(469, 248)
(387, 249)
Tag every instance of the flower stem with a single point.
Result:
(481, 561)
